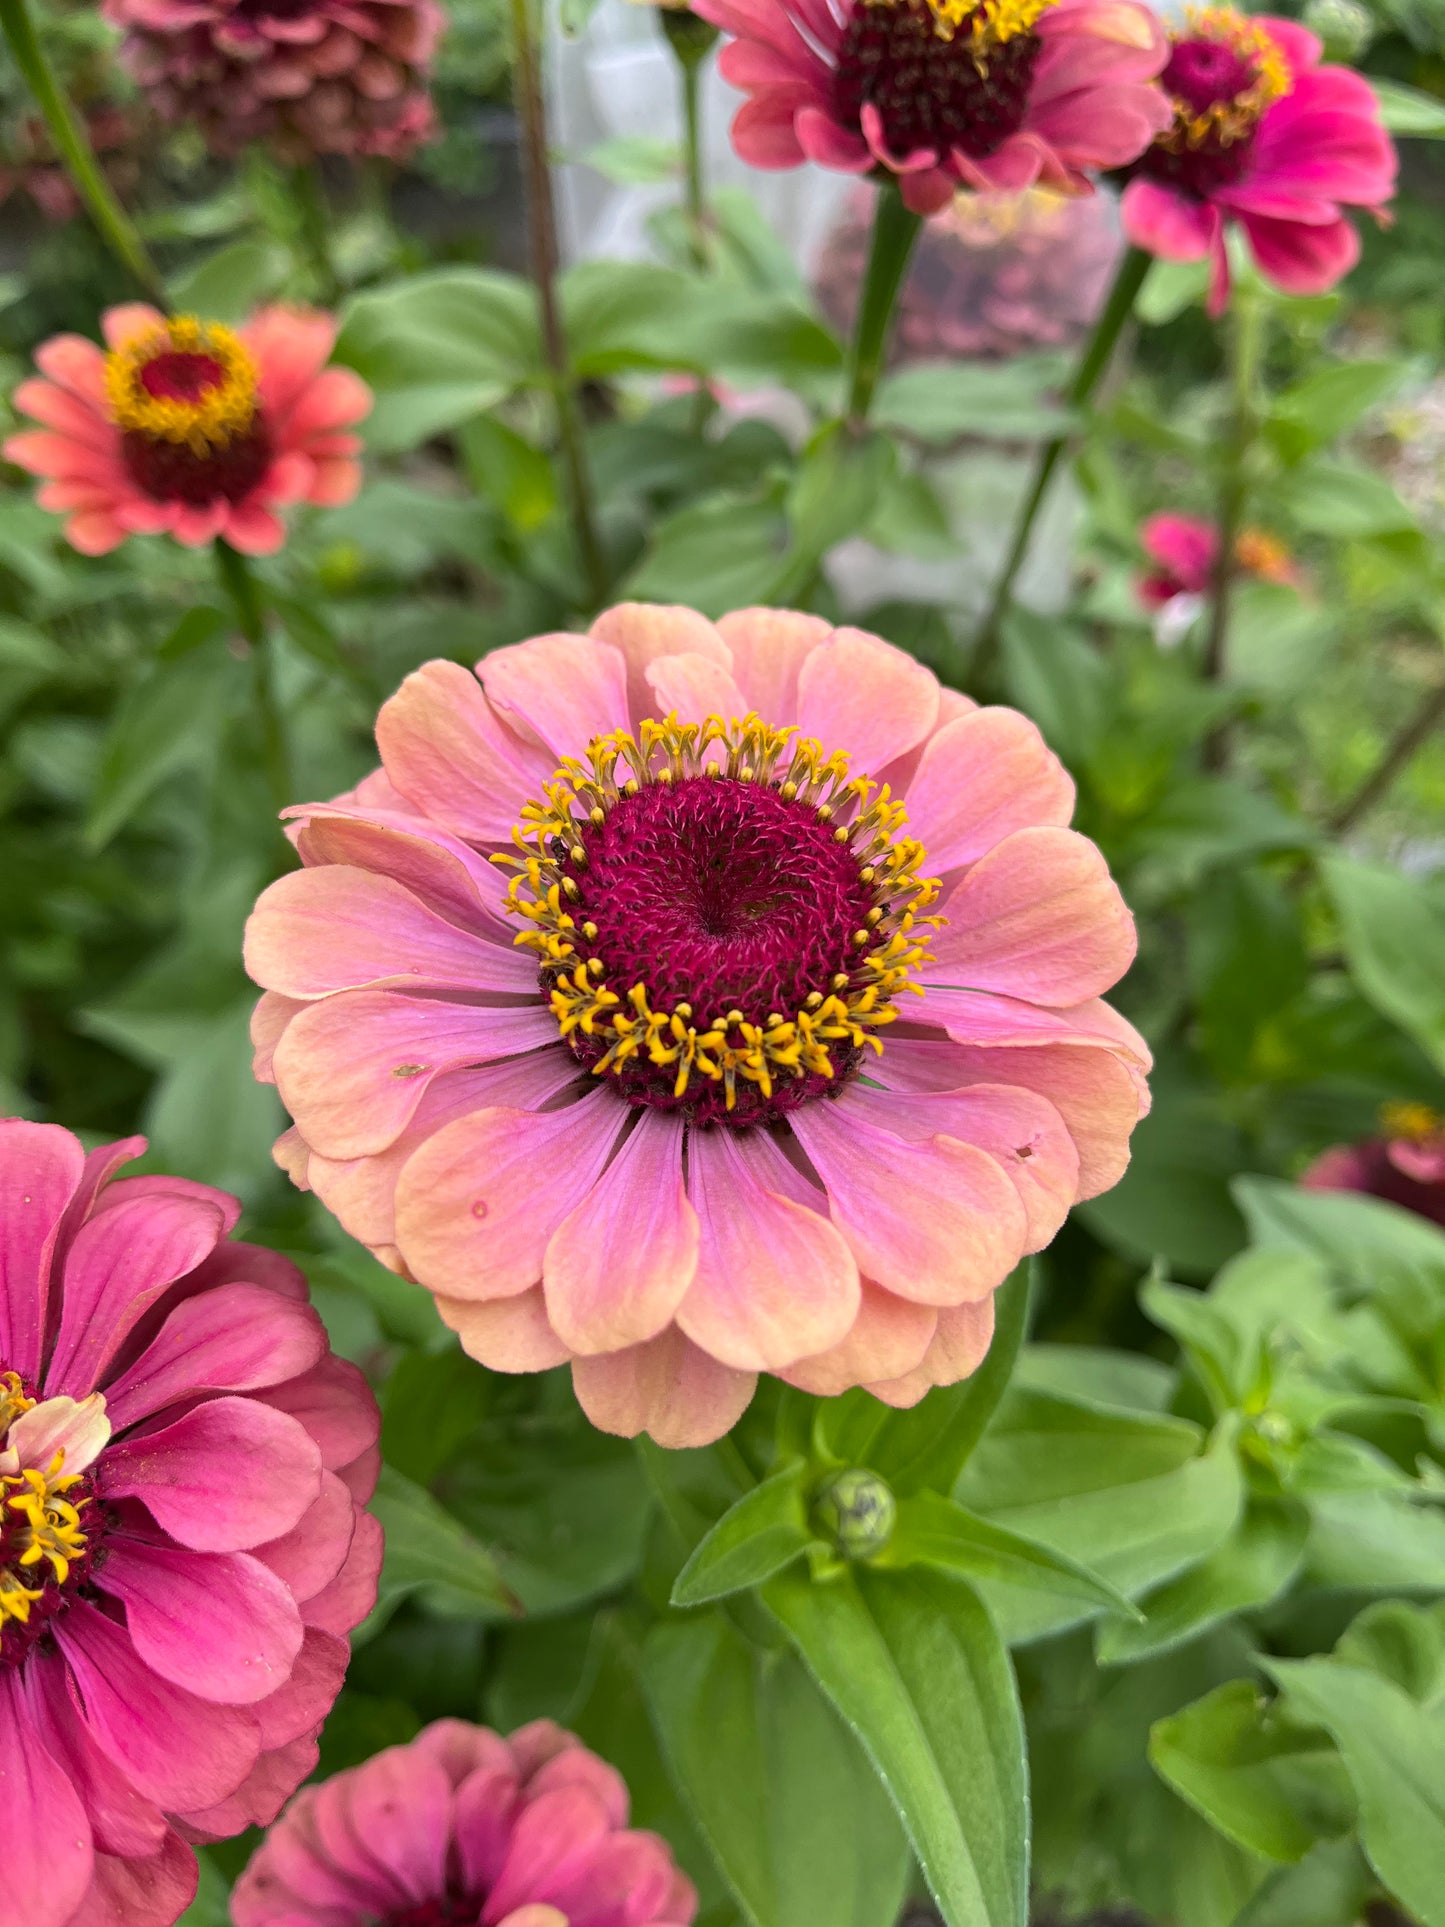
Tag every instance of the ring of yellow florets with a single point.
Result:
(692, 1056)
(43, 1536)
(989, 24)
(1223, 122)
(211, 409)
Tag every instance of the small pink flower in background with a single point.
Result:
(307, 77)
(1184, 549)
(190, 429)
(782, 1071)
(1405, 1165)
(465, 1829)
(1265, 136)
(942, 94)
(183, 1549)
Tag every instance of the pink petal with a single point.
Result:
(959, 1347)
(336, 398)
(440, 870)
(79, 423)
(1300, 259)
(830, 144)
(775, 1281)
(290, 345)
(128, 319)
(452, 757)
(334, 1402)
(478, 1203)
(866, 698)
(150, 1892)
(234, 1338)
(1168, 223)
(694, 686)
(94, 532)
(668, 1388)
(562, 689)
(888, 1337)
(249, 527)
(981, 778)
(48, 1855)
(506, 1334)
(399, 1805)
(297, 1707)
(122, 1821)
(644, 633)
(769, 648)
(342, 1605)
(77, 365)
(40, 1167)
(764, 134)
(312, 1553)
(616, 1268)
(554, 1837)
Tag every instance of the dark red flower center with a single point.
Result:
(935, 87)
(444, 1911)
(176, 472)
(1206, 73)
(1221, 77)
(178, 376)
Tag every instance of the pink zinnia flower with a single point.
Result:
(942, 93)
(1263, 135)
(306, 77)
(182, 1546)
(671, 1130)
(1405, 1165)
(1184, 549)
(466, 1828)
(189, 429)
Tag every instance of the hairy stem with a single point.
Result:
(73, 146)
(895, 229)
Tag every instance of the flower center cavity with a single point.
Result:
(1222, 75)
(183, 394)
(941, 75)
(46, 1533)
(722, 916)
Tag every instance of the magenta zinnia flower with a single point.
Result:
(773, 1076)
(1405, 1165)
(189, 429)
(1183, 549)
(465, 1829)
(1263, 135)
(182, 1546)
(307, 77)
(941, 93)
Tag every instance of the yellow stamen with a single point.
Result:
(39, 1527)
(1405, 1118)
(215, 417)
(12, 1400)
(1227, 121)
(989, 24)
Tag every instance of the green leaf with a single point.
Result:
(944, 400)
(766, 1530)
(624, 315)
(430, 1551)
(636, 160)
(1327, 401)
(509, 471)
(1329, 1886)
(212, 1904)
(208, 1118)
(838, 486)
(934, 1531)
(1214, 1343)
(713, 553)
(1332, 498)
(1271, 1787)
(433, 1403)
(233, 281)
(1406, 110)
(165, 723)
(1392, 927)
(786, 1801)
(1169, 288)
(913, 1663)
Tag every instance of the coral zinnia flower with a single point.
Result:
(305, 76)
(182, 1546)
(463, 1826)
(749, 1090)
(941, 93)
(1405, 1165)
(189, 429)
(1184, 548)
(1263, 135)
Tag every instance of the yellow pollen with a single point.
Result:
(12, 1400)
(732, 1047)
(1403, 1118)
(215, 417)
(40, 1528)
(989, 24)
(1227, 121)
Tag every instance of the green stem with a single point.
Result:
(895, 229)
(313, 222)
(692, 40)
(1399, 751)
(542, 241)
(1098, 353)
(244, 590)
(1245, 347)
(73, 147)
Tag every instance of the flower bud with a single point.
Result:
(1345, 27)
(857, 1510)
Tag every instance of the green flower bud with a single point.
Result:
(1345, 27)
(857, 1511)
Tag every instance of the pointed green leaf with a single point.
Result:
(429, 1550)
(766, 1530)
(934, 1531)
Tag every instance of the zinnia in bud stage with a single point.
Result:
(465, 1829)
(307, 77)
(1264, 136)
(183, 1551)
(770, 1044)
(190, 429)
(941, 93)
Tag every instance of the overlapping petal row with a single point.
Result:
(559, 1212)
(465, 1827)
(189, 429)
(183, 1545)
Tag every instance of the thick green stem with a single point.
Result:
(244, 591)
(692, 40)
(1098, 353)
(1245, 348)
(74, 149)
(542, 241)
(895, 229)
(313, 225)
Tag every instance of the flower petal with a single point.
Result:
(40, 1168)
(562, 689)
(669, 1388)
(866, 698)
(453, 758)
(980, 778)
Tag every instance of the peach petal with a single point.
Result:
(980, 778)
(562, 689)
(194, 527)
(130, 318)
(1038, 917)
(290, 1154)
(352, 1069)
(290, 345)
(769, 648)
(77, 420)
(247, 526)
(643, 632)
(866, 698)
(453, 758)
(617, 1267)
(472, 1220)
(60, 497)
(440, 870)
(269, 1019)
(77, 365)
(959, 1347)
(506, 1334)
(1094, 1091)
(695, 687)
(934, 1221)
(775, 1280)
(334, 483)
(93, 532)
(335, 399)
(668, 1388)
(889, 1336)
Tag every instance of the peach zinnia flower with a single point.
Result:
(464, 1827)
(943, 93)
(190, 429)
(774, 1075)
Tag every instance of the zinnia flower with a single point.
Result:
(1265, 136)
(189, 429)
(1405, 1165)
(465, 1829)
(182, 1546)
(1184, 549)
(772, 1077)
(305, 76)
(941, 93)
